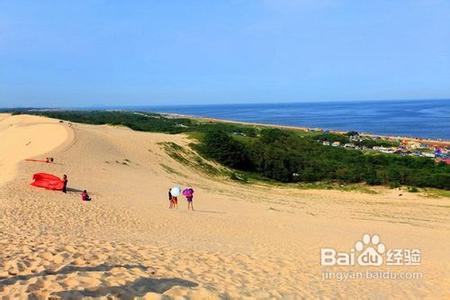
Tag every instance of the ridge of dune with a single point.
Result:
(25, 137)
(242, 242)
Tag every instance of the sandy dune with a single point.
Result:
(243, 241)
(24, 137)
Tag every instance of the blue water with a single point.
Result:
(427, 118)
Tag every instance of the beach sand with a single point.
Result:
(243, 241)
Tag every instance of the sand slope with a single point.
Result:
(24, 137)
(242, 241)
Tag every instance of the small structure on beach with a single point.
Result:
(336, 144)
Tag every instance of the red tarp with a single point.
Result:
(47, 181)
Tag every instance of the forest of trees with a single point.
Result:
(140, 121)
(284, 156)
(136, 121)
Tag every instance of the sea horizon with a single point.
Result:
(429, 119)
(418, 119)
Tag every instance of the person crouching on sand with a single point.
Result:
(85, 196)
(64, 190)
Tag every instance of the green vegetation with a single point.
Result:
(239, 177)
(344, 139)
(190, 159)
(143, 121)
(436, 193)
(133, 120)
(413, 189)
(332, 137)
(170, 170)
(350, 187)
(280, 155)
(286, 157)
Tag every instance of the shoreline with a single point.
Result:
(437, 142)
(429, 141)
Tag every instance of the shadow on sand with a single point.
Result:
(69, 269)
(138, 288)
(74, 190)
(210, 212)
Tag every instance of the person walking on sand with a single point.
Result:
(170, 198)
(174, 192)
(174, 202)
(64, 190)
(189, 194)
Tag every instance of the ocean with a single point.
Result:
(424, 118)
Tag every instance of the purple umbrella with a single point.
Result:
(188, 192)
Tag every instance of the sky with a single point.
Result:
(111, 52)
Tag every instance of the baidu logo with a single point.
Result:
(370, 251)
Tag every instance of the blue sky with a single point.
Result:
(113, 52)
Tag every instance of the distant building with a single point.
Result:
(384, 149)
(428, 154)
(349, 145)
(354, 136)
(446, 160)
(239, 133)
(411, 144)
